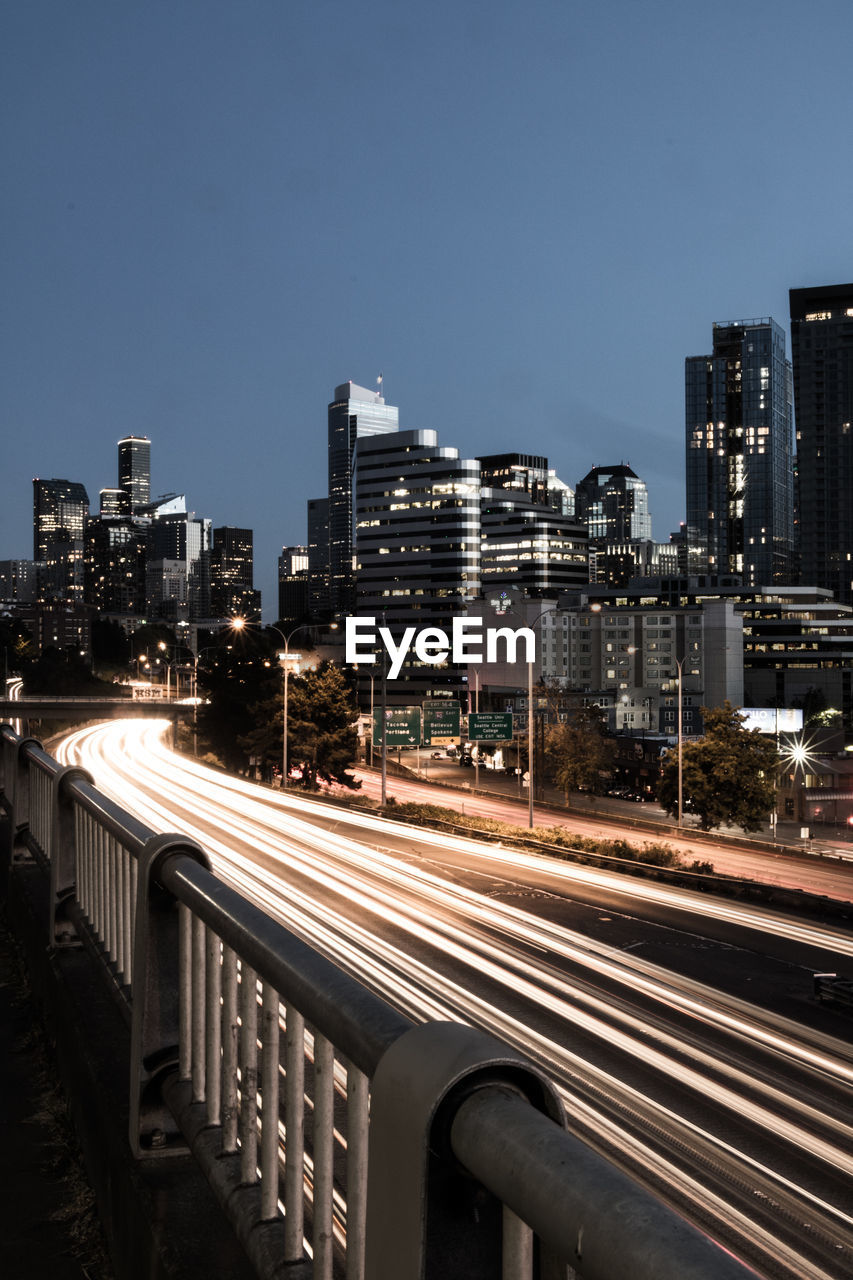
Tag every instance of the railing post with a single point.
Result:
(427, 1219)
(63, 856)
(19, 790)
(156, 1002)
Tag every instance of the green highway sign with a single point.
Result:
(402, 727)
(490, 726)
(442, 723)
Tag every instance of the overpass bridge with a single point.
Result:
(249, 1109)
(86, 708)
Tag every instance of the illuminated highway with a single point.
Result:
(679, 1027)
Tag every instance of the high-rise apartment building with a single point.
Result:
(115, 564)
(354, 414)
(60, 511)
(739, 454)
(418, 542)
(134, 469)
(822, 349)
(178, 577)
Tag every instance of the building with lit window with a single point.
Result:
(417, 508)
(613, 503)
(354, 414)
(60, 511)
(293, 584)
(115, 565)
(740, 487)
(232, 593)
(134, 469)
(822, 349)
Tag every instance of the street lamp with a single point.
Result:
(531, 625)
(239, 624)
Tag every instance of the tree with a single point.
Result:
(577, 751)
(321, 734)
(728, 775)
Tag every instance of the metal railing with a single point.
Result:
(341, 1139)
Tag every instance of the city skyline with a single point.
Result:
(525, 220)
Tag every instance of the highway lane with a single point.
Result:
(735, 1113)
(814, 874)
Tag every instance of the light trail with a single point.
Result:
(748, 1095)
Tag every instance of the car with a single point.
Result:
(436, 755)
(466, 760)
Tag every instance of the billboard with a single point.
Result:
(773, 719)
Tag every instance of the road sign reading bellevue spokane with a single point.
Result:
(442, 723)
(402, 727)
(490, 726)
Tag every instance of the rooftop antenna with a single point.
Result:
(379, 386)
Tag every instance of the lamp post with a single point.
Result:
(239, 624)
(531, 625)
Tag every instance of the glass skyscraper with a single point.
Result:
(60, 511)
(354, 414)
(134, 469)
(740, 496)
(822, 348)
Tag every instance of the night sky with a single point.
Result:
(524, 216)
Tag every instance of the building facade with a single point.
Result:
(417, 509)
(60, 511)
(354, 414)
(293, 584)
(613, 503)
(232, 592)
(822, 350)
(740, 486)
(134, 469)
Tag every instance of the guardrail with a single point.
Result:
(341, 1139)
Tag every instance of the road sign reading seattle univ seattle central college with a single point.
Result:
(490, 726)
(442, 723)
(402, 727)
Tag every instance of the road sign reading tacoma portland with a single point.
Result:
(433, 645)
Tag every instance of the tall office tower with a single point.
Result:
(613, 503)
(417, 512)
(18, 581)
(232, 592)
(60, 511)
(822, 348)
(354, 414)
(178, 578)
(293, 584)
(528, 541)
(318, 558)
(114, 502)
(134, 469)
(115, 564)
(740, 483)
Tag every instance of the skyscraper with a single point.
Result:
(134, 469)
(232, 592)
(60, 511)
(739, 454)
(613, 503)
(418, 541)
(354, 414)
(822, 349)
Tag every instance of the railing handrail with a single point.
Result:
(439, 1104)
(360, 1024)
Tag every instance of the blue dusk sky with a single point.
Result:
(524, 216)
